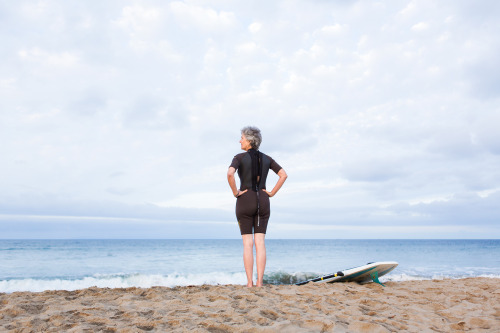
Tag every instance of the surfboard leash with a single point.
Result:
(321, 278)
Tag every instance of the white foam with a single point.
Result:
(403, 277)
(407, 277)
(121, 281)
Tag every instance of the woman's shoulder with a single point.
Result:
(269, 157)
(272, 163)
(239, 157)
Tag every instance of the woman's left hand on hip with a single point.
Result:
(268, 193)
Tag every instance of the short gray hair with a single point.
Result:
(253, 135)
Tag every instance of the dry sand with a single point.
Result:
(415, 306)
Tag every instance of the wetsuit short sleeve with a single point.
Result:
(275, 166)
(235, 163)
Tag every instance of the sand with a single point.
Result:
(415, 306)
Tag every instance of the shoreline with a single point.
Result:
(414, 306)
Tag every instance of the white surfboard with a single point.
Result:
(362, 274)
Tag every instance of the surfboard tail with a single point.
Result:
(375, 279)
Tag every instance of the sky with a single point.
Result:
(119, 119)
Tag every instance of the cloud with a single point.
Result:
(142, 25)
(334, 30)
(139, 19)
(155, 112)
(47, 207)
(421, 26)
(484, 74)
(89, 102)
(381, 114)
(460, 209)
(203, 18)
(100, 228)
(255, 27)
(372, 169)
(44, 58)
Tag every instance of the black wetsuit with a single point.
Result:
(252, 207)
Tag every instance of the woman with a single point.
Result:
(252, 204)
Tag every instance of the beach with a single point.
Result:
(448, 305)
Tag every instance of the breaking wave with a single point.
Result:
(174, 280)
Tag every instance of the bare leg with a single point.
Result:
(260, 249)
(248, 257)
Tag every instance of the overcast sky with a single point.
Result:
(119, 119)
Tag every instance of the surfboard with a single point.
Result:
(362, 274)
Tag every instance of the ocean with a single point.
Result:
(38, 265)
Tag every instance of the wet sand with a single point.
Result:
(415, 306)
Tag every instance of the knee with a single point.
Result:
(248, 243)
(259, 242)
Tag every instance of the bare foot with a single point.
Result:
(250, 285)
(260, 284)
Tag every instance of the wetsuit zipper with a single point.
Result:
(258, 187)
(258, 207)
